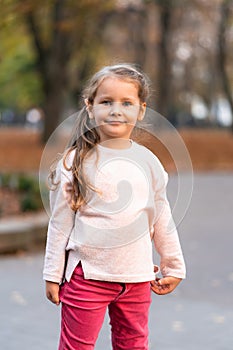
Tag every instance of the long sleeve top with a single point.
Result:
(112, 232)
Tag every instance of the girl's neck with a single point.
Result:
(117, 143)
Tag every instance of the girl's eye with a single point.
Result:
(127, 103)
(106, 103)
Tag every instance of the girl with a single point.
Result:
(108, 205)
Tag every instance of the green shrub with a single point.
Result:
(27, 189)
(9, 181)
(30, 202)
(26, 183)
(4, 180)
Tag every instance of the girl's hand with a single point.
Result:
(164, 285)
(52, 292)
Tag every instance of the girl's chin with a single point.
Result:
(118, 130)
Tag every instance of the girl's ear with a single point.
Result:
(89, 108)
(142, 111)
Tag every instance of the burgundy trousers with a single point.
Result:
(84, 304)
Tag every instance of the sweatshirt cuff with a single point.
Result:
(52, 278)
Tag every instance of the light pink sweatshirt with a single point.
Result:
(112, 233)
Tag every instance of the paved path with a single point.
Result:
(198, 316)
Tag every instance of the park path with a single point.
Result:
(197, 316)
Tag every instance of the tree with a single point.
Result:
(61, 31)
(19, 81)
(73, 26)
(168, 13)
(164, 58)
(222, 56)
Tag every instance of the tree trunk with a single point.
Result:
(51, 64)
(222, 57)
(164, 65)
(136, 23)
(52, 109)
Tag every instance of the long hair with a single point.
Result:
(85, 135)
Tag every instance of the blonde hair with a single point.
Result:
(85, 136)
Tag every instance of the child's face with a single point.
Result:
(116, 108)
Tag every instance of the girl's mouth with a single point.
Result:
(115, 122)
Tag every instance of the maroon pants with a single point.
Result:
(84, 304)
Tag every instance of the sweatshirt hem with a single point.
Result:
(118, 278)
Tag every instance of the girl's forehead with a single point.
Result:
(117, 87)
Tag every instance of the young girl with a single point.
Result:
(108, 205)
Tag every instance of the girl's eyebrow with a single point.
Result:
(127, 98)
(105, 96)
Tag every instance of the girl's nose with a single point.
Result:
(116, 109)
